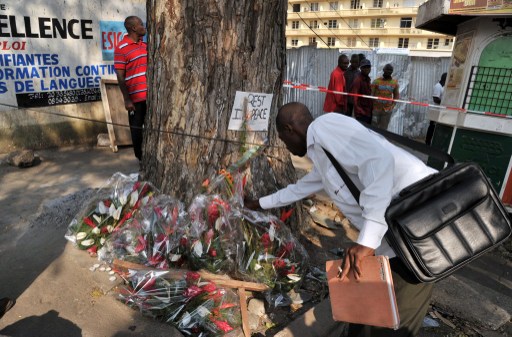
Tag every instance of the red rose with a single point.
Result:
(192, 277)
(265, 240)
(223, 326)
(210, 287)
(279, 263)
(213, 212)
(212, 252)
(192, 291)
(183, 241)
(89, 222)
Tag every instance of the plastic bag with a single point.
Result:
(193, 306)
(108, 210)
(212, 238)
(155, 236)
(269, 253)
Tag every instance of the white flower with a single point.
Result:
(87, 243)
(117, 213)
(96, 230)
(272, 232)
(110, 228)
(218, 224)
(81, 236)
(293, 277)
(123, 198)
(175, 257)
(257, 266)
(134, 196)
(198, 248)
(102, 208)
(96, 218)
(102, 241)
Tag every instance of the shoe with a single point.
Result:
(5, 305)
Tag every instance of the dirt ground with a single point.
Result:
(56, 293)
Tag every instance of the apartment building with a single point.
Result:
(362, 24)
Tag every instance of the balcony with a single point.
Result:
(353, 13)
(345, 31)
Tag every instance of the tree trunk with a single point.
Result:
(200, 53)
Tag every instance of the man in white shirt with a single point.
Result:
(379, 170)
(437, 96)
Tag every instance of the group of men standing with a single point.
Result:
(355, 79)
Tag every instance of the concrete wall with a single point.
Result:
(53, 55)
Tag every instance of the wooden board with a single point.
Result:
(115, 114)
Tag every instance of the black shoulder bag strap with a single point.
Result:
(414, 145)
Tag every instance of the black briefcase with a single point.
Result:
(443, 221)
(446, 220)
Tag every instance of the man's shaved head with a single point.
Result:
(293, 113)
(292, 122)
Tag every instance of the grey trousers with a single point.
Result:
(412, 299)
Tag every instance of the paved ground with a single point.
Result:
(56, 293)
(58, 296)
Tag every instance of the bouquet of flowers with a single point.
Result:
(155, 236)
(212, 237)
(269, 253)
(108, 211)
(195, 307)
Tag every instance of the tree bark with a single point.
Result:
(200, 52)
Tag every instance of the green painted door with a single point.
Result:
(492, 79)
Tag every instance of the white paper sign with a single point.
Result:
(257, 112)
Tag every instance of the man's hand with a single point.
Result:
(252, 204)
(352, 261)
(128, 104)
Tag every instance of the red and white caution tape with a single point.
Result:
(303, 86)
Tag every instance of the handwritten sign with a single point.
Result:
(255, 114)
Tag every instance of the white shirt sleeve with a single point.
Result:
(438, 91)
(307, 185)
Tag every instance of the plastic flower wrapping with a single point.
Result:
(155, 236)
(114, 204)
(269, 253)
(212, 237)
(193, 306)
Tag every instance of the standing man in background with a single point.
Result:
(130, 61)
(350, 74)
(363, 86)
(386, 87)
(437, 96)
(337, 102)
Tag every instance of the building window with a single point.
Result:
(295, 43)
(295, 24)
(448, 42)
(377, 3)
(351, 42)
(332, 24)
(405, 22)
(433, 43)
(403, 42)
(353, 23)
(313, 24)
(312, 40)
(378, 23)
(355, 4)
(313, 6)
(374, 42)
(296, 8)
(331, 41)
(333, 6)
